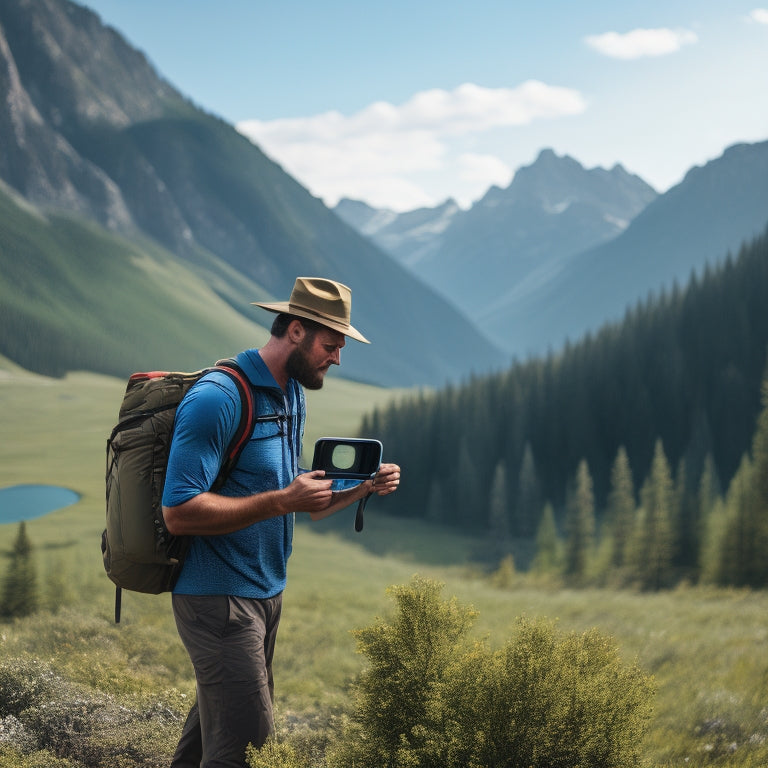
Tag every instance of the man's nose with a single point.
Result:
(336, 357)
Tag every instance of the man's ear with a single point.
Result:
(296, 331)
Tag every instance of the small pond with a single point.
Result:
(25, 502)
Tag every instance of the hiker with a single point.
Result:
(227, 599)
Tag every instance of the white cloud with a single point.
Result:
(485, 169)
(760, 15)
(379, 153)
(640, 43)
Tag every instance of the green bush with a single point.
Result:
(274, 754)
(548, 699)
(432, 699)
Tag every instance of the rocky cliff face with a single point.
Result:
(64, 77)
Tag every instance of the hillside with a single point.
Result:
(74, 296)
(90, 130)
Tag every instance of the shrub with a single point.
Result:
(274, 754)
(398, 698)
(548, 699)
(14, 735)
(431, 699)
(12, 758)
(44, 713)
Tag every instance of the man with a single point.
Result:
(227, 600)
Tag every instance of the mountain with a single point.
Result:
(410, 237)
(94, 140)
(512, 240)
(709, 214)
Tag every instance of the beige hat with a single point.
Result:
(324, 301)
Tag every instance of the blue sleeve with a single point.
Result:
(205, 422)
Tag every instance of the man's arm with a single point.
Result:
(209, 514)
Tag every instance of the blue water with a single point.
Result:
(25, 502)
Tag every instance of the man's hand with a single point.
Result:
(309, 492)
(386, 480)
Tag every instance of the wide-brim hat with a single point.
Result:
(324, 301)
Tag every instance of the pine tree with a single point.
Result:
(709, 487)
(580, 524)
(436, 502)
(656, 541)
(735, 543)
(711, 516)
(549, 554)
(686, 523)
(467, 498)
(528, 507)
(760, 460)
(744, 557)
(20, 595)
(621, 507)
(712, 544)
(498, 517)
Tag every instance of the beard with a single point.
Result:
(297, 367)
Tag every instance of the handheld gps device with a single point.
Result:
(348, 458)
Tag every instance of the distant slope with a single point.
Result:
(89, 128)
(711, 212)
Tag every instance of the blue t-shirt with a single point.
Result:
(250, 562)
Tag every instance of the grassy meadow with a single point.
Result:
(706, 648)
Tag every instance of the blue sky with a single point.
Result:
(404, 104)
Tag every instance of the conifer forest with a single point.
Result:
(640, 451)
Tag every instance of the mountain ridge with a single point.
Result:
(532, 294)
(513, 238)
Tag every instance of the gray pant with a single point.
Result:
(231, 642)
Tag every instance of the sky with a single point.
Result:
(404, 104)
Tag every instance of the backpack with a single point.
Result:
(138, 551)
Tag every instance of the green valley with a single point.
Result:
(705, 647)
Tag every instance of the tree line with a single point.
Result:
(668, 398)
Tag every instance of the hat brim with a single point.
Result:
(284, 306)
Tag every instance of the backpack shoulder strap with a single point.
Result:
(247, 419)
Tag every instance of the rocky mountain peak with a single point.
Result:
(556, 182)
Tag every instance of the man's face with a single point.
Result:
(314, 355)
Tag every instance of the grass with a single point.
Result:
(707, 648)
